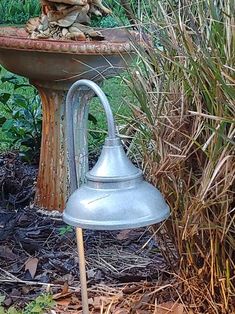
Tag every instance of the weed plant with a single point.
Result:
(40, 305)
(184, 128)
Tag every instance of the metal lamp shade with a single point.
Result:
(115, 195)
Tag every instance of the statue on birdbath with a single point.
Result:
(67, 19)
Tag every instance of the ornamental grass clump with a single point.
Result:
(184, 125)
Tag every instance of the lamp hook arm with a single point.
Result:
(71, 99)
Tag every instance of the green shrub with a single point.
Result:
(20, 117)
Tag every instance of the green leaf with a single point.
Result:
(2, 311)
(37, 309)
(8, 78)
(65, 230)
(92, 118)
(20, 100)
(4, 97)
(22, 85)
(2, 120)
(2, 298)
(8, 124)
(13, 310)
(16, 113)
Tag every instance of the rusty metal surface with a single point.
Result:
(52, 66)
(58, 64)
(116, 41)
(52, 181)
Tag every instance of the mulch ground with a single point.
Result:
(125, 269)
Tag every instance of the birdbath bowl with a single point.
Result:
(52, 66)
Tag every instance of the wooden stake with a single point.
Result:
(82, 270)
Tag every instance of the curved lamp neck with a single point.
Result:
(72, 100)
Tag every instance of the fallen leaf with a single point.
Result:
(8, 302)
(7, 253)
(91, 273)
(75, 299)
(58, 296)
(77, 306)
(64, 293)
(142, 304)
(170, 308)
(68, 278)
(121, 311)
(32, 24)
(123, 235)
(65, 288)
(31, 265)
(64, 302)
(131, 289)
(96, 302)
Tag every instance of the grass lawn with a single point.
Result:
(18, 12)
(119, 97)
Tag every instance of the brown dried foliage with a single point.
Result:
(184, 129)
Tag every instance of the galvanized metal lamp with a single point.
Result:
(115, 195)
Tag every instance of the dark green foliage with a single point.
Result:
(18, 11)
(105, 22)
(39, 305)
(65, 230)
(20, 117)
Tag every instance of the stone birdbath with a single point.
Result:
(52, 65)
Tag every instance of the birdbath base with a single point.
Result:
(52, 66)
(52, 182)
(52, 187)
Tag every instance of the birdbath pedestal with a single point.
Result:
(52, 66)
